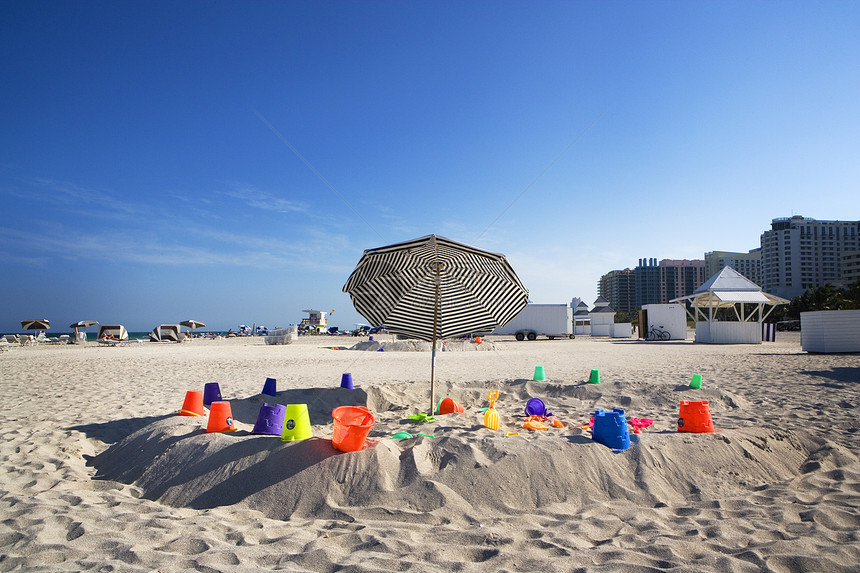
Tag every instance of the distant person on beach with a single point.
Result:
(108, 336)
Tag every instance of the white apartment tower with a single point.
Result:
(799, 253)
(748, 264)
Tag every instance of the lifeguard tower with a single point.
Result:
(316, 321)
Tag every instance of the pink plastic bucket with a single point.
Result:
(351, 426)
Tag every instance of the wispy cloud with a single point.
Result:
(194, 246)
(84, 224)
(259, 199)
(109, 203)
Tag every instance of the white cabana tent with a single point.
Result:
(118, 331)
(729, 309)
(165, 333)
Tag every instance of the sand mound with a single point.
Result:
(465, 469)
(394, 346)
(421, 346)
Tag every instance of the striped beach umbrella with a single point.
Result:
(35, 324)
(433, 287)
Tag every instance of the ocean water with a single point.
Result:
(93, 333)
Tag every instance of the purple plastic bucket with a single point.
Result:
(211, 393)
(535, 407)
(270, 387)
(346, 381)
(270, 420)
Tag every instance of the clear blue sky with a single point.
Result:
(148, 172)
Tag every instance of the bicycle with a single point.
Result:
(657, 334)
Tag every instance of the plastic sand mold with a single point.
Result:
(610, 429)
(406, 435)
(535, 425)
(536, 422)
(422, 417)
(639, 423)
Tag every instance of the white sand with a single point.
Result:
(100, 474)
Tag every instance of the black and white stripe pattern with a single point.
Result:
(395, 287)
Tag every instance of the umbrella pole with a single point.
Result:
(433, 350)
(432, 374)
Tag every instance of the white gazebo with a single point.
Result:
(729, 309)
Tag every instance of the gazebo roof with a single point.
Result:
(728, 279)
(726, 288)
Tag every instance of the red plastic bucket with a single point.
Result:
(351, 426)
(695, 417)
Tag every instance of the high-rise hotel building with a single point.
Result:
(652, 282)
(619, 288)
(748, 264)
(799, 253)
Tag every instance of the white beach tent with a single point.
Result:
(165, 333)
(118, 331)
(729, 309)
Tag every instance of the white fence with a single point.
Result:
(830, 331)
(728, 332)
(621, 330)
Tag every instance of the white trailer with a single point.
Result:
(550, 320)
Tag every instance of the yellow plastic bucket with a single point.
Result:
(297, 423)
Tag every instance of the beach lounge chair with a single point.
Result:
(113, 342)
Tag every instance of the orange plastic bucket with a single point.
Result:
(351, 426)
(220, 417)
(193, 405)
(695, 417)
